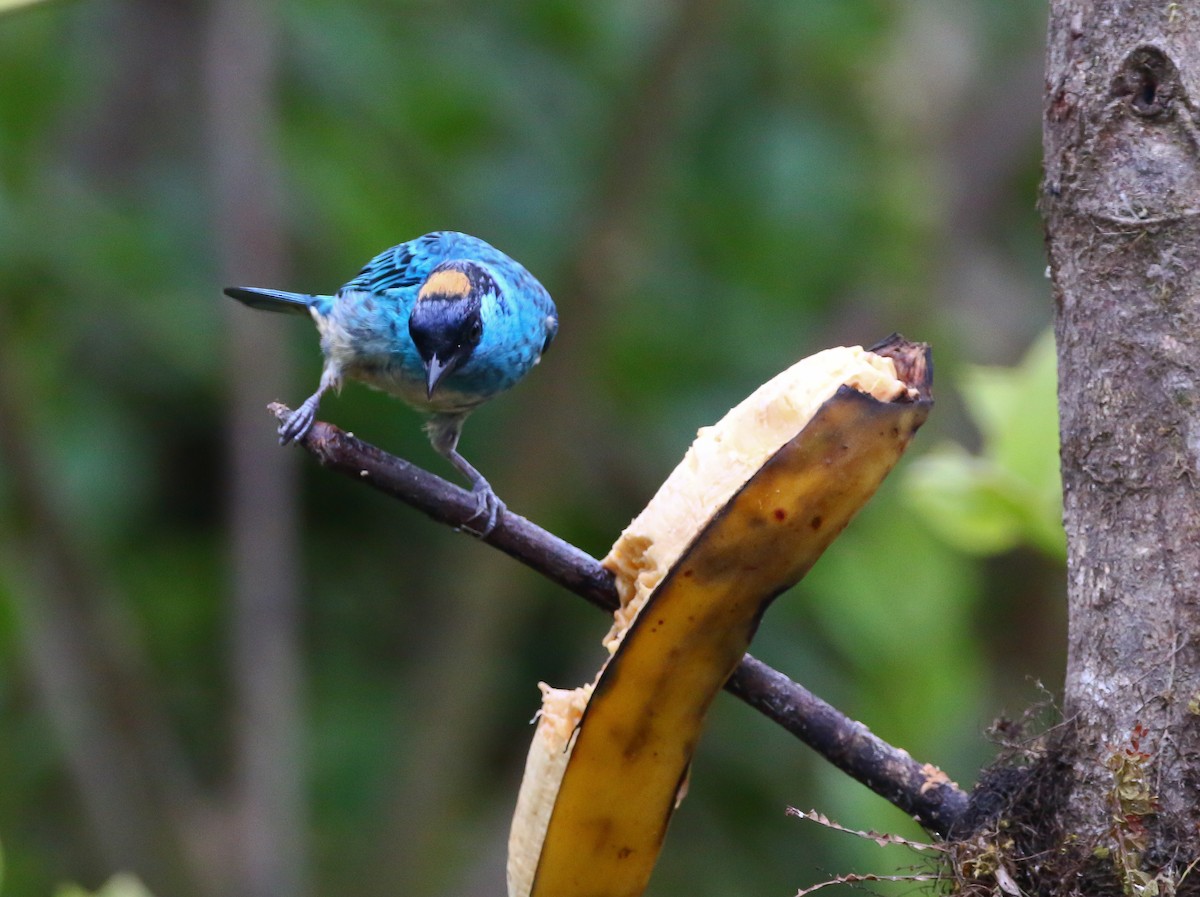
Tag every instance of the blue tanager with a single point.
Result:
(445, 322)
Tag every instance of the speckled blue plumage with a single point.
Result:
(461, 281)
(364, 327)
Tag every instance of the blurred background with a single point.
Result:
(227, 672)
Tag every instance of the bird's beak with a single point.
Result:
(435, 371)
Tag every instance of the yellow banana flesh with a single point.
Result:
(753, 504)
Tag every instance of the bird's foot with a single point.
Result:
(488, 508)
(299, 422)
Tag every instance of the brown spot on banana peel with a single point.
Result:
(703, 614)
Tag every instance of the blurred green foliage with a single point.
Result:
(9, 5)
(710, 194)
(118, 886)
(1011, 493)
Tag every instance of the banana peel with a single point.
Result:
(754, 503)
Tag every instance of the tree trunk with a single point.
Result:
(1121, 198)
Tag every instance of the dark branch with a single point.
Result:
(919, 789)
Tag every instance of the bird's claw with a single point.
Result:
(299, 422)
(488, 506)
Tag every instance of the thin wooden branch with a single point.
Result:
(922, 790)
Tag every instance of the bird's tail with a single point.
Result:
(271, 300)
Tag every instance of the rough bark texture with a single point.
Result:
(1121, 197)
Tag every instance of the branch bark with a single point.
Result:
(921, 790)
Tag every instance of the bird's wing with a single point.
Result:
(404, 265)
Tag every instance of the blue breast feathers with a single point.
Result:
(365, 327)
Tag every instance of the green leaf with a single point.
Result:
(1016, 410)
(964, 500)
(1011, 493)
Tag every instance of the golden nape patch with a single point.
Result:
(446, 283)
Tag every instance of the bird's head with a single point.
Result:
(446, 321)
